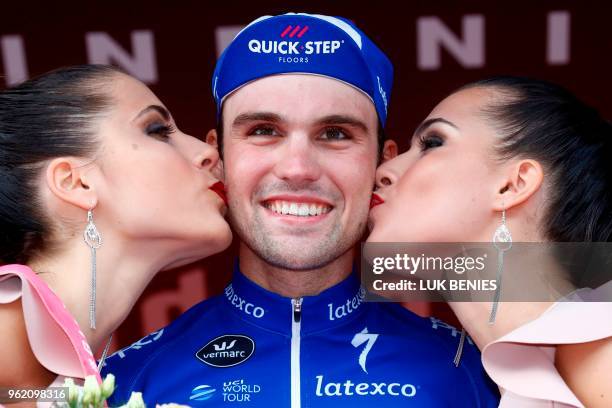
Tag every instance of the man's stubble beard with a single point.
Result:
(295, 255)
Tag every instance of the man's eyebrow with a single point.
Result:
(427, 123)
(247, 117)
(343, 120)
(157, 108)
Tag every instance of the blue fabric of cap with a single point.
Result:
(305, 44)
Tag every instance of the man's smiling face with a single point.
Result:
(300, 155)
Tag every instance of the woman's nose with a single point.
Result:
(385, 176)
(207, 157)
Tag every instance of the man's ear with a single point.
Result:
(67, 178)
(211, 138)
(522, 180)
(389, 150)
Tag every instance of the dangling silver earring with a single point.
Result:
(502, 240)
(93, 239)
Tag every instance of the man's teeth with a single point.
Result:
(298, 209)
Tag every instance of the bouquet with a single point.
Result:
(93, 395)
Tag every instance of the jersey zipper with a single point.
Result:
(296, 322)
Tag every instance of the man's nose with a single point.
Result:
(298, 160)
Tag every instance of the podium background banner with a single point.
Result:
(434, 46)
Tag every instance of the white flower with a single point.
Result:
(91, 391)
(93, 395)
(135, 401)
(73, 392)
(108, 386)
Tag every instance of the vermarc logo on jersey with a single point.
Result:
(227, 351)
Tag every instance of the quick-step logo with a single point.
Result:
(227, 351)
(291, 49)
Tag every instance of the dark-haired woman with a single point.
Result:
(99, 191)
(527, 159)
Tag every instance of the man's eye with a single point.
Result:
(263, 131)
(334, 134)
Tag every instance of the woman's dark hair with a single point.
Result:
(49, 116)
(546, 122)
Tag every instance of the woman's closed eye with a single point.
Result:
(160, 130)
(430, 141)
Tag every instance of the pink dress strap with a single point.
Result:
(54, 335)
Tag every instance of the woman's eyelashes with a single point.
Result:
(160, 130)
(430, 140)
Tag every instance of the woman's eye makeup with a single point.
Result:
(430, 140)
(161, 130)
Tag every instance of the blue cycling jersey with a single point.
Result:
(255, 348)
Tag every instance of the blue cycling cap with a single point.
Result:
(305, 44)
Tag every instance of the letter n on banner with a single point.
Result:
(102, 49)
(433, 35)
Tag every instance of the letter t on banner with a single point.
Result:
(558, 39)
(13, 54)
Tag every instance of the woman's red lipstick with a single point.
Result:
(219, 188)
(375, 200)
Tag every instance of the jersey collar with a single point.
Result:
(263, 308)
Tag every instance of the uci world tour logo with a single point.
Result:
(202, 393)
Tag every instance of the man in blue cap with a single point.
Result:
(302, 101)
